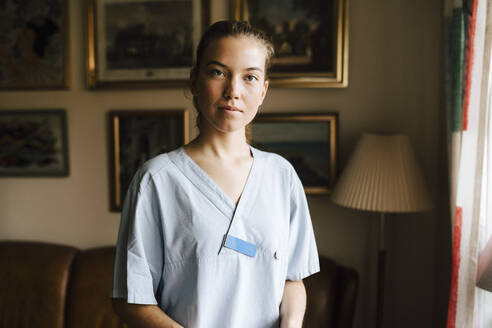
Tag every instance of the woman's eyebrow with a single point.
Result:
(214, 62)
(254, 69)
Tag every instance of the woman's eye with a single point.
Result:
(251, 78)
(216, 72)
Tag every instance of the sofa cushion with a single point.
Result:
(88, 298)
(33, 280)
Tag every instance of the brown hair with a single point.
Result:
(223, 29)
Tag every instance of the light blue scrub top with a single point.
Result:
(173, 223)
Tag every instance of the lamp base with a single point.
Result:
(381, 273)
(380, 295)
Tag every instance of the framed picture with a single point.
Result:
(143, 43)
(308, 141)
(34, 44)
(33, 143)
(137, 136)
(310, 39)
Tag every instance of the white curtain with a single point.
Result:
(470, 165)
(483, 298)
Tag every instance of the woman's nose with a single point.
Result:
(232, 88)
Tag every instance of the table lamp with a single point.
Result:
(382, 175)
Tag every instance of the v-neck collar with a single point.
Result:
(210, 189)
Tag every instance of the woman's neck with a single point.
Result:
(229, 145)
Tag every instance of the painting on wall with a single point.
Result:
(33, 143)
(308, 141)
(143, 43)
(310, 39)
(33, 44)
(137, 136)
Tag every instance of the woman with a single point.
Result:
(217, 233)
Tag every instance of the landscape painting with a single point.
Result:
(143, 41)
(308, 142)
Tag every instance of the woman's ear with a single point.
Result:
(264, 91)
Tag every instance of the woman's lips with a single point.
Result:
(230, 108)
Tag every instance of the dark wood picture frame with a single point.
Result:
(137, 136)
(310, 37)
(33, 143)
(143, 43)
(309, 141)
(34, 45)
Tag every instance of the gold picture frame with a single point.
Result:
(137, 136)
(309, 141)
(142, 43)
(311, 39)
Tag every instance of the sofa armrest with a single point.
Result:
(346, 295)
(331, 296)
(33, 282)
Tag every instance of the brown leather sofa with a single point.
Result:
(55, 286)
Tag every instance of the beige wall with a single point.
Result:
(394, 86)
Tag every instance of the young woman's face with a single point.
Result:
(230, 83)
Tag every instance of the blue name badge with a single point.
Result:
(240, 246)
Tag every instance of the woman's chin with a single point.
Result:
(227, 129)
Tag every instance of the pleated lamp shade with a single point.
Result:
(382, 175)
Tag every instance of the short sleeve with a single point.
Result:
(139, 250)
(303, 254)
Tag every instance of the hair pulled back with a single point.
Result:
(226, 28)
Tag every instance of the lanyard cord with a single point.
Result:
(227, 232)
